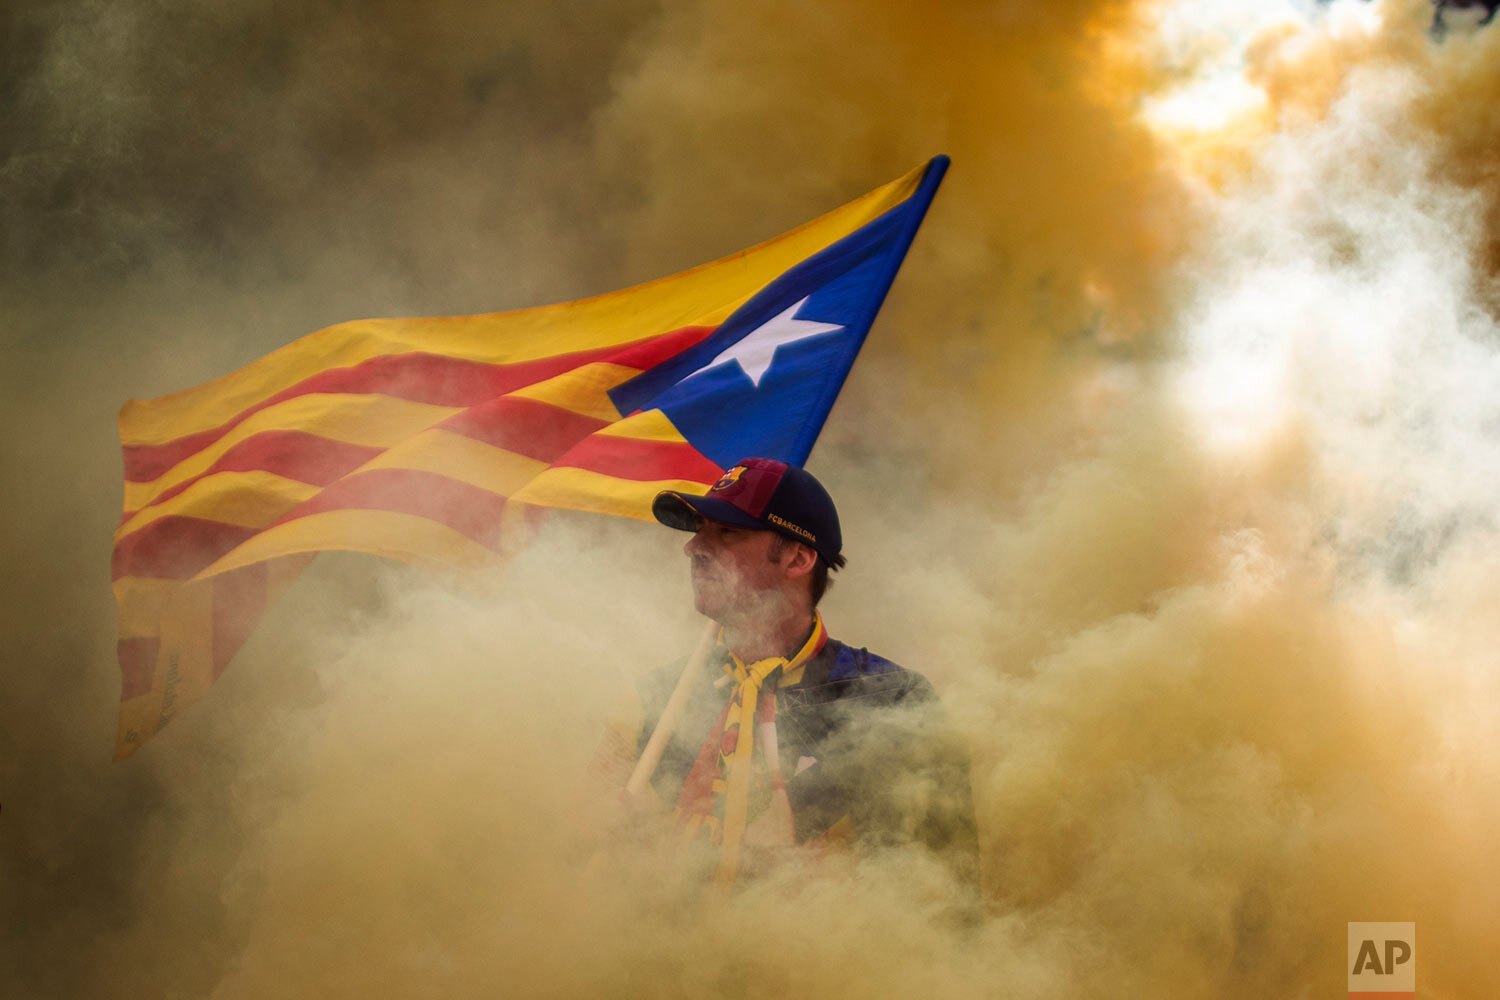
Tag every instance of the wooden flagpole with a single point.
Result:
(651, 755)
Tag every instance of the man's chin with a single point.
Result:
(724, 605)
(708, 605)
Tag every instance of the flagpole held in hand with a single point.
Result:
(651, 755)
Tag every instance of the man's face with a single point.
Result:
(734, 572)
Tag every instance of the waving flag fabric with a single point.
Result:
(432, 441)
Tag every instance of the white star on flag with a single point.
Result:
(755, 350)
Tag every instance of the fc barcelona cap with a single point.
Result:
(765, 494)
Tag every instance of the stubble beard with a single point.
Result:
(736, 605)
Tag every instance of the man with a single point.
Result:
(792, 737)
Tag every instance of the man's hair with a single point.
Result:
(818, 579)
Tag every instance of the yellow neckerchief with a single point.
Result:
(748, 679)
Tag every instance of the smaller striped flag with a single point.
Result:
(436, 441)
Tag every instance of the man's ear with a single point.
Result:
(802, 562)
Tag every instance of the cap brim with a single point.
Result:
(686, 511)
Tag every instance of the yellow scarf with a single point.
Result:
(721, 774)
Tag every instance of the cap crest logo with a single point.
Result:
(728, 479)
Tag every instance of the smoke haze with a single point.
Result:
(1172, 461)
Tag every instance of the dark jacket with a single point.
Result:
(873, 745)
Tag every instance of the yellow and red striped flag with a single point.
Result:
(428, 440)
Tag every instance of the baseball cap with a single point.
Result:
(765, 494)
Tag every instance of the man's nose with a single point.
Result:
(694, 546)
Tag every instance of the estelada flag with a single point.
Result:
(432, 440)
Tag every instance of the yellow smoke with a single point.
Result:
(1171, 461)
